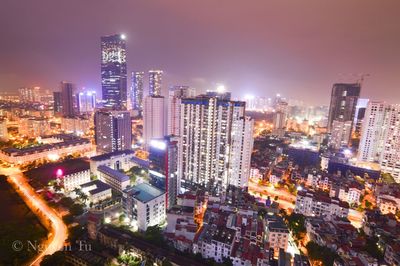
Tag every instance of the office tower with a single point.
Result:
(153, 119)
(211, 143)
(86, 102)
(137, 90)
(155, 78)
(57, 104)
(113, 131)
(29, 95)
(67, 99)
(176, 93)
(113, 71)
(279, 119)
(163, 157)
(380, 137)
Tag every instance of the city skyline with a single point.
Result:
(300, 57)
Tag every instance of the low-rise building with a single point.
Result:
(277, 234)
(144, 205)
(311, 203)
(392, 253)
(96, 191)
(118, 160)
(116, 179)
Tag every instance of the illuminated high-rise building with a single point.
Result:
(86, 102)
(215, 144)
(176, 93)
(155, 79)
(113, 71)
(68, 100)
(137, 90)
(280, 118)
(380, 137)
(57, 103)
(163, 157)
(113, 131)
(153, 118)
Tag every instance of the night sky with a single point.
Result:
(296, 48)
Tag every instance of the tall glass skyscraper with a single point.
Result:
(155, 77)
(113, 71)
(137, 90)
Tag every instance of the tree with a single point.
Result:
(76, 209)
(58, 258)
(320, 253)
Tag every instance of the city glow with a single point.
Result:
(220, 88)
(158, 144)
(123, 36)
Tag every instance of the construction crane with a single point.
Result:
(361, 80)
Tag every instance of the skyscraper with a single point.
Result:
(86, 102)
(176, 93)
(163, 157)
(113, 131)
(137, 90)
(380, 137)
(212, 151)
(155, 78)
(342, 109)
(67, 99)
(153, 118)
(113, 71)
(280, 118)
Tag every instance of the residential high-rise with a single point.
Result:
(176, 93)
(359, 115)
(67, 99)
(29, 95)
(113, 131)
(113, 71)
(137, 90)
(153, 118)
(163, 157)
(155, 78)
(380, 137)
(342, 109)
(86, 102)
(280, 118)
(212, 151)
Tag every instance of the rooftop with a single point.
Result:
(107, 156)
(121, 177)
(100, 186)
(145, 192)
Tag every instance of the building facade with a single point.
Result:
(153, 118)
(113, 131)
(114, 71)
(176, 93)
(155, 79)
(137, 90)
(212, 133)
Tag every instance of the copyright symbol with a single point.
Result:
(17, 245)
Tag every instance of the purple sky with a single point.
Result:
(297, 48)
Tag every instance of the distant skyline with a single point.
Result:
(295, 48)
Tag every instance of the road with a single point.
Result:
(285, 199)
(58, 231)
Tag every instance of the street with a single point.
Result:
(58, 231)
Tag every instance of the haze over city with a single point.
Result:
(298, 49)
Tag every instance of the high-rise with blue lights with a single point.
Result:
(113, 71)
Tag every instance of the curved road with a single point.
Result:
(58, 231)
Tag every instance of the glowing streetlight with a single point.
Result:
(123, 36)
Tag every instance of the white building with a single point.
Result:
(118, 160)
(176, 93)
(388, 204)
(96, 191)
(212, 138)
(380, 137)
(277, 235)
(71, 174)
(350, 195)
(153, 118)
(144, 205)
(314, 204)
(215, 242)
(114, 178)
